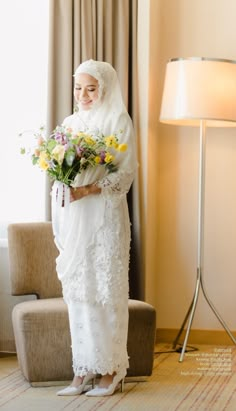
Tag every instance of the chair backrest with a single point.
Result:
(32, 254)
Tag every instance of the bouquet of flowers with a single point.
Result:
(66, 153)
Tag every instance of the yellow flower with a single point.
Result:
(109, 158)
(43, 163)
(97, 159)
(122, 147)
(89, 140)
(81, 134)
(58, 153)
(110, 141)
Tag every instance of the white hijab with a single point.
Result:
(109, 108)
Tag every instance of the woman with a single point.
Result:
(95, 240)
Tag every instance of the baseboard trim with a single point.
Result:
(7, 346)
(207, 337)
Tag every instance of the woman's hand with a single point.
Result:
(83, 191)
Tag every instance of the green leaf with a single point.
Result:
(75, 140)
(34, 159)
(51, 143)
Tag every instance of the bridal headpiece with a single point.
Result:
(109, 88)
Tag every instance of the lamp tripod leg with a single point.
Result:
(216, 313)
(175, 342)
(191, 314)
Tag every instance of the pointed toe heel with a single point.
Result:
(114, 386)
(78, 390)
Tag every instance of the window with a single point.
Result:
(23, 85)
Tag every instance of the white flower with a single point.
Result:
(58, 153)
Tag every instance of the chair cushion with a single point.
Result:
(43, 344)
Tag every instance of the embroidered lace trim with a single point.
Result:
(102, 275)
(99, 337)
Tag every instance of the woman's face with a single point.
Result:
(85, 90)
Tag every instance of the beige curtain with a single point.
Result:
(83, 29)
(103, 30)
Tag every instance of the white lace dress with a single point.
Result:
(93, 265)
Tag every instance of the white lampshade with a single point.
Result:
(199, 89)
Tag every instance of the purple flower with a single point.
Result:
(60, 138)
(102, 156)
(57, 136)
(79, 151)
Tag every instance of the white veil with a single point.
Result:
(108, 109)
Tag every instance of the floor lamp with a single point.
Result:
(199, 92)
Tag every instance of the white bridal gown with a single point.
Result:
(94, 259)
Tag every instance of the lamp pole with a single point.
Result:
(200, 252)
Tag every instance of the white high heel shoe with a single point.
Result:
(78, 390)
(103, 392)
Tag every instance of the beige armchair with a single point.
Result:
(41, 327)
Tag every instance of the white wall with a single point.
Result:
(184, 28)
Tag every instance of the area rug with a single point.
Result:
(204, 381)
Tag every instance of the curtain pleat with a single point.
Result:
(84, 30)
(103, 30)
(60, 60)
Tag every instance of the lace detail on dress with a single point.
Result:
(116, 185)
(99, 337)
(105, 263)
(101, 366)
